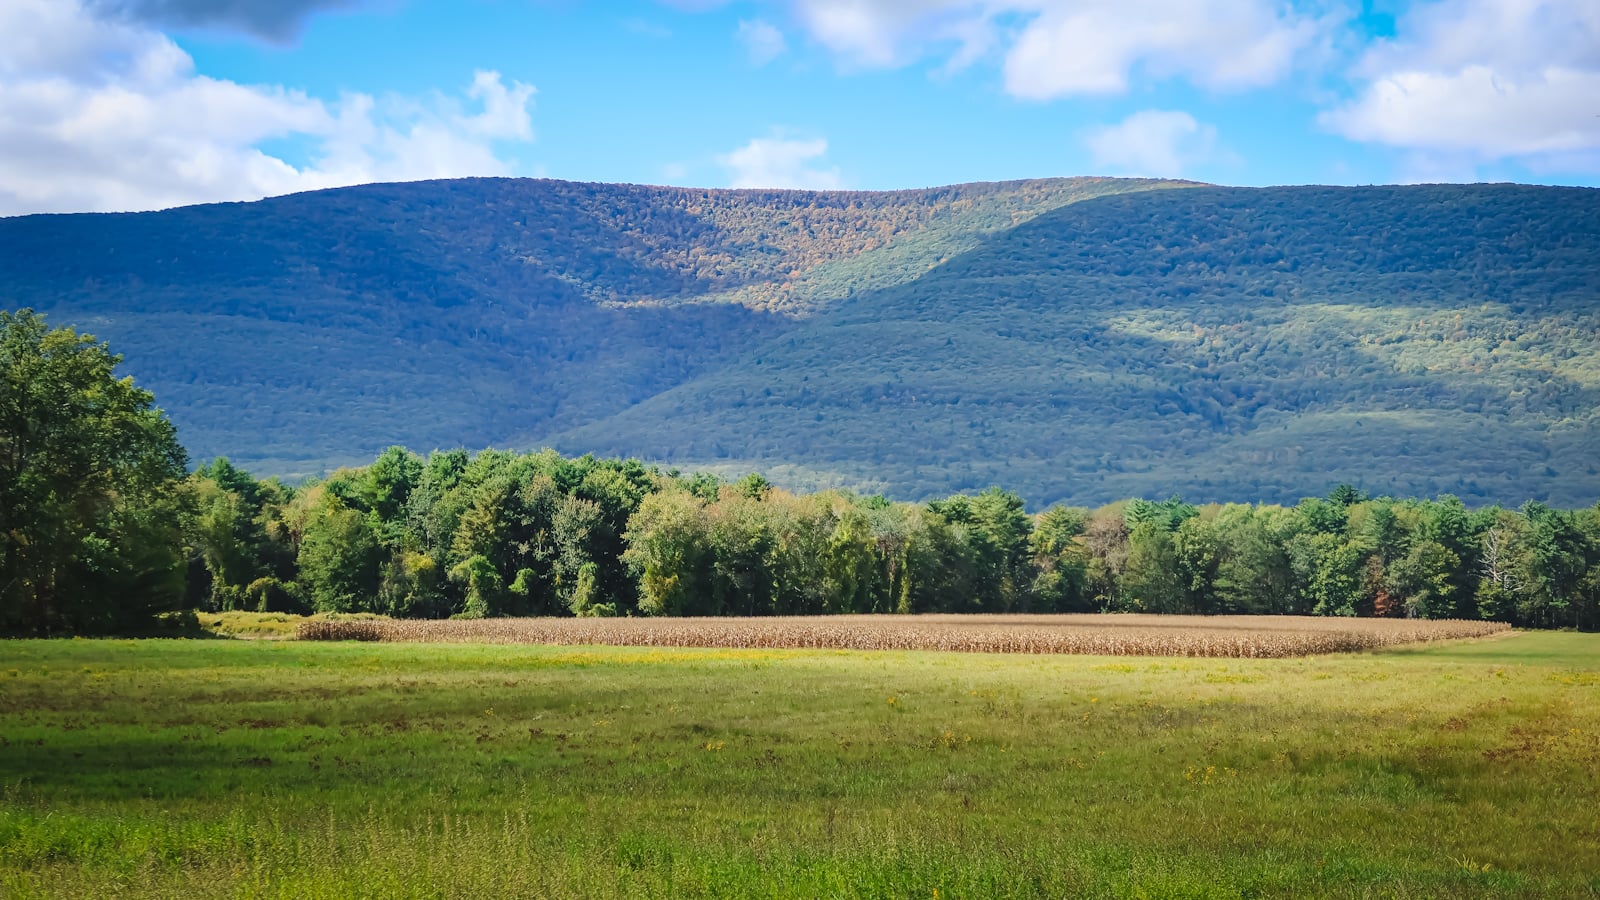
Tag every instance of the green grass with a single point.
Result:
(248, 768)
(258, 625)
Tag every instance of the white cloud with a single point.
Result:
(1094, 47)
(505, 109)
(1153, 143)
(1477, 81)
(885, 32)
(762, 40)
(778, 162)
(1057, 48)
(107, 114)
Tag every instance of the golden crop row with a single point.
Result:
(1116, 635)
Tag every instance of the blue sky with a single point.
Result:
(138, 104)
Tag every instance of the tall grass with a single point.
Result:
(233, 768)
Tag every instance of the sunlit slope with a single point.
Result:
(304, 331)
(1225, 343)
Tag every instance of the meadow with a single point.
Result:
(225, 768)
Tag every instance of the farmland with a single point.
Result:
(290, 768)
(1121, 635)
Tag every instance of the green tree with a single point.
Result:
(667, 540)
(340, 557)
(386, 485)
(1586, 594)
(1151, 580)
(575, 528)
(754, 486)
(942, 573)
(997, 530)
(1556, 561)
(1323, 516)
(1347, 495)
(1447, 522)
(1424, 580)
(234, 544)
(851, 566)
(1254, 572)
(91, 508)
(1197, 551)
(743, 541)
(618, 486)
(1060, 560)
(1167, 514)
(1330, 571)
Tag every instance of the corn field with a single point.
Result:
(1112, 635)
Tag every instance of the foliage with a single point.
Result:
(504, 535)
(508, 308)
(90, 505)
(1227, 343)
(1077, 340)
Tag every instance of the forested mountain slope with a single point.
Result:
(315, 329)
(1222, 342)
(1074, 339)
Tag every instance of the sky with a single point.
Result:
(110, 105)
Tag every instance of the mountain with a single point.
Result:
(316, 329)
(1071, 339)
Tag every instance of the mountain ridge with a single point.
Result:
(1106, 337)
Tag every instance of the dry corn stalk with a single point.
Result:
(1117, 635)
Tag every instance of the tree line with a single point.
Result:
(102, 525)
(507, 534)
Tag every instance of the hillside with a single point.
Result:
(1220, 342)
(312, 330)
(1073, 339)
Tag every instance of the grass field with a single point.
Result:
(294, 769)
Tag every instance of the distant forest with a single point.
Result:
(506, 534)
(1077, 340)
(102, 525)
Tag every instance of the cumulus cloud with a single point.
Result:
(762, 40)
(778, 162)
(103, 114)
(505, 109)
(1093, 47)
(274, 20)
(1058, 48)
(1153, 143)
(1484, 81)
(888, 32)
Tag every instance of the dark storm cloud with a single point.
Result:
(273, 20)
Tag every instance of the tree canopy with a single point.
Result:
(90, 515)
(505, 534)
